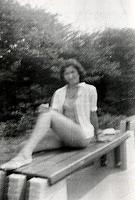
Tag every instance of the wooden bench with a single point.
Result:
(46, 177)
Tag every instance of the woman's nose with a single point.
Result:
(70, 75)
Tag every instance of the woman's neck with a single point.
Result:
(72, 86)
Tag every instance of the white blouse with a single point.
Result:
(86, 102)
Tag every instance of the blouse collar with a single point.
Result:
(79, 84)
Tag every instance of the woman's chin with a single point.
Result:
(74, 83)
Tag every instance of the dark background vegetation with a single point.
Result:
(33, 46)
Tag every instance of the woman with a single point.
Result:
(71, 118)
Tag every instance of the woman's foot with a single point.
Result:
(16, 162)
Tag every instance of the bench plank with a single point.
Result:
(39, 159)
(36, 168)
(64, 163)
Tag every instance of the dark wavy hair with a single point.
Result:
(72, 62)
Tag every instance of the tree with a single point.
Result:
(26, 33)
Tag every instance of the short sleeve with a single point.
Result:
(93, 99)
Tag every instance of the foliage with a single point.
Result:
(25, 35)
(110, 121)
(12, 128)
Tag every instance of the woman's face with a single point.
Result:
(71, 75)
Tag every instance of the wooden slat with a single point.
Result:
(38, 160)
(63, 165)
(36, 168)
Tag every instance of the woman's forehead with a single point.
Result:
(70, 68)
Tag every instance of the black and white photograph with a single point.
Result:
(67, 100)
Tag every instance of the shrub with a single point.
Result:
(110, 121)
(10, 129)
(20, 128)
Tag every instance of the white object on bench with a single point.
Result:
(109, 131)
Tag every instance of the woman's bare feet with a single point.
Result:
(18, 161)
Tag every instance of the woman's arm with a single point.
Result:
(97, 136)
(93, 111)
(94, 122)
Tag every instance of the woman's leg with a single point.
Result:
(49, 142)
(68, 131)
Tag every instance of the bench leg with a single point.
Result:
(107, 160)
(132, 126)
(117, 157)
(100, 162)
(121, 156)
(2, 184)
(97, 163)
(40, 190)
(110, 159)
(16, 187)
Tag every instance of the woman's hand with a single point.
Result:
(43, 108)
(104, 138)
